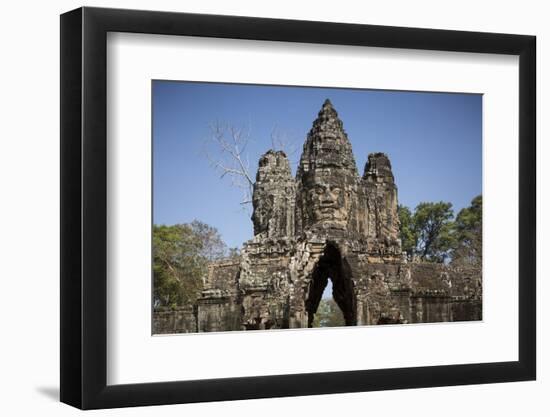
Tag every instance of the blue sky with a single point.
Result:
(434, 141)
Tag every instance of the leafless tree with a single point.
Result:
(283, 141)
(230, 156)
(226, 149)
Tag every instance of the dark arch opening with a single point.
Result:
(332, 266)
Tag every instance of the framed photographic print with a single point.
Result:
(258, 207)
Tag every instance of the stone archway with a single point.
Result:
(332, 266)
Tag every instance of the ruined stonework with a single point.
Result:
(329, 223)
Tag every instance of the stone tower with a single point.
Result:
(273, 196)
(381, 221)
(329, 223)
(327, 180)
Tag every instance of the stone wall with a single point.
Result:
(218, 315)
(178, 320)
(382, 294)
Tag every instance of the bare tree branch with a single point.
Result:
(282, 141)
(231, 159)
(226, 150)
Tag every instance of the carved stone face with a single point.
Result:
(327, 200)
(263, 212)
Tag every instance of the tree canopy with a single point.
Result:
(469, 233)
(432, 234)
(181, 254)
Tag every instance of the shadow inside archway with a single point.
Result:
(332, 266)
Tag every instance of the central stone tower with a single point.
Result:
(326, 180)
(333, 201)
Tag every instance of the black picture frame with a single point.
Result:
(84, 207)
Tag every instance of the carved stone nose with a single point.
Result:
(328, 197)
(330, 194)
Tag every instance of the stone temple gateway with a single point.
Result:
(327, 223)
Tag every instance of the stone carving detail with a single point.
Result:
(327, 180)
(328, 223)
(381, 212)
(273, 196)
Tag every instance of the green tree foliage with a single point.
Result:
(433, 226)
(428, 232)
(408, 234)
(431, 234)
(180, 258)
(468, 234)
(328, 314)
